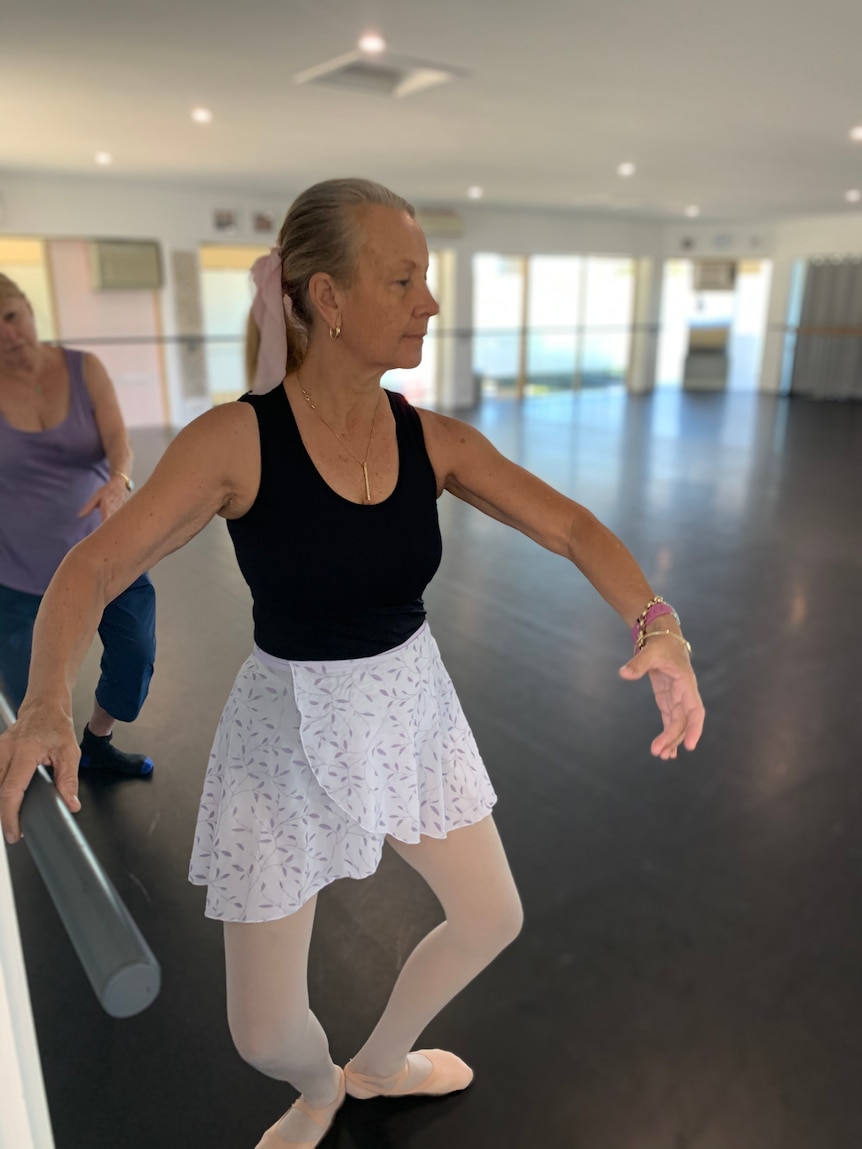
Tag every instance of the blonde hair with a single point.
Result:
(9, 288)
(320, 233)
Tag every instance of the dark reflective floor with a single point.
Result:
(689, 972)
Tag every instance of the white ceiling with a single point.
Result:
(742, 107)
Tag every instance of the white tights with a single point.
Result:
(266, 964)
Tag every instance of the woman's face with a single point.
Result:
(386, 309)
(18, 339)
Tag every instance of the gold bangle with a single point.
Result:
(130, 486)
(673, 634)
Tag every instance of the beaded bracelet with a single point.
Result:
(655, 608)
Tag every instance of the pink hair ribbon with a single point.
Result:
(268, 308)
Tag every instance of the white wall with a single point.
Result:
(181, 218)
(89, 206)
(782, 241)
(24, 1119)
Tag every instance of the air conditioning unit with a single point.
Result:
(125, 265)
(440, 223)
(714, 275)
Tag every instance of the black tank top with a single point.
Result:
(331, 579)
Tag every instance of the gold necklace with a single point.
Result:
(363, 463)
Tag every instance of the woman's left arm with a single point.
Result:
(115, 440)
(471, 468)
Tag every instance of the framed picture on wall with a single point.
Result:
(225, 221)
(263, 222)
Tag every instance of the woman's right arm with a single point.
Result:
(212, 467)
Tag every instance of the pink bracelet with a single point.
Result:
(655, 608)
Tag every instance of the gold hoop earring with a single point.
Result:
(335, 333)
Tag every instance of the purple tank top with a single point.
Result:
(46, 477)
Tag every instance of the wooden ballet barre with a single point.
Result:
(120, 966)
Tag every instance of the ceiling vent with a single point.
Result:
(385, 75)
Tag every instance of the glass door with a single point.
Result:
(226, 295)
(609, 293)
(498, 322)
(553, 302)
(743, 311)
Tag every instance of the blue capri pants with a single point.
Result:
(128, 634)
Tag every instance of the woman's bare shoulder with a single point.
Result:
(225, 418)
(448, 441)
(221, 445)
(444, 428)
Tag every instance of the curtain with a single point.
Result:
(828, 359)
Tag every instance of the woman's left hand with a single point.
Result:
(108, 498)
(666, 662)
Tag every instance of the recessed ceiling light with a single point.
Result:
(372, 42)
(856, 133)
(475, 192)
(853, 196)
(103, 158)
(692, 211)
(201, 115)
(626, 169)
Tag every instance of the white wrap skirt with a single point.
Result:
(314, 763)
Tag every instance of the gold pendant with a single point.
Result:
(367, 487)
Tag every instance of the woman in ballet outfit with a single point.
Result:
(343, 730)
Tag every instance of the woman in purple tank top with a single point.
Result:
(65, 460)
(343, 730)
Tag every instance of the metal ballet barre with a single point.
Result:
(121, 967)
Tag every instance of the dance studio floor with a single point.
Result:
(689, 972)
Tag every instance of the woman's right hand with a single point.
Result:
(42, 735)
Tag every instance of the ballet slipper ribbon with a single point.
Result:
(268, 308)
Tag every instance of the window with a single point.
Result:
(550, 323)
(226, 295)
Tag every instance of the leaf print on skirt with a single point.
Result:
(319, 761)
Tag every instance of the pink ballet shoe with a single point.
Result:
(323, 1118)
(448, 1074)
